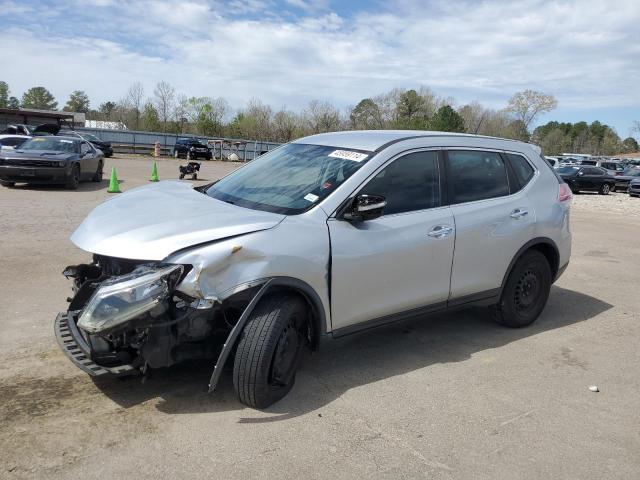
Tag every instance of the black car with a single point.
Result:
(51, 160)
(594, 179)
(104, 146)
(634, 187)
(28, 130)
(623, 180)
(191, 148)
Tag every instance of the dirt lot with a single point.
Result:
(450, 396)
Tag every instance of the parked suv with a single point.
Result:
(325, 236)
(191, 148)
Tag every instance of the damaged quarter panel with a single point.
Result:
(298, 248)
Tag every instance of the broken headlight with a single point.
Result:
(120, 299)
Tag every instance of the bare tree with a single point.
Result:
(285, 125)
(320, 117)
(133, 100)
(164, 99)
(529, 104)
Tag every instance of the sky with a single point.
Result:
(287, 52)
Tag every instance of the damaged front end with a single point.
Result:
(127, 315)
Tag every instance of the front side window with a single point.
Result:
(290, 179)
(476, 175)
(409, 183)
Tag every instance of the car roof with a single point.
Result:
(375, 140)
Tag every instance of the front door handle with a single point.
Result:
(519, 213)
(440, 231)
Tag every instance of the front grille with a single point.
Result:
(30, 163)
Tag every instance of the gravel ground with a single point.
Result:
(614, 203)
(444, 397)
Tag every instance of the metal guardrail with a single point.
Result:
(131, 141)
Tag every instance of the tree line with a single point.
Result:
(167, 110)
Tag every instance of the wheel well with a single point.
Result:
(315, 316)
(551, 254)
(542, 245)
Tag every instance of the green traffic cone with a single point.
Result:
(154, 173)
(114, 186)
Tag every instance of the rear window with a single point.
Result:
(476, 175)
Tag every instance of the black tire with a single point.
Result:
(269, 349)
(195, 176)
(605, 188)
(525, 292)
(4, 183)
(97, 177)
(73, 180)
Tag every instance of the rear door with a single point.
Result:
(401, 260)
(493, 216)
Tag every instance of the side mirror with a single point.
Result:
(366, 207)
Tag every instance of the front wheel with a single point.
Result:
(604, 189)
(267, 356)
(97, 177)
(525, 292)
(73, 181)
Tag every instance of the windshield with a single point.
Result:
(567, 170)
(289, 179)
(50, 143)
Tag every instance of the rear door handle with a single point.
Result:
(519, 213)
(440, 231)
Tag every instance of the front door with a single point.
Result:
(401, 260)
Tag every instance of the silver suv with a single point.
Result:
(324, 236)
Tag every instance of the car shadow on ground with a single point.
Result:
(83, 187)
(353, 361)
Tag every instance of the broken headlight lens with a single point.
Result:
(120, 299)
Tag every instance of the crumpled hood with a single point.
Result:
(151, 222)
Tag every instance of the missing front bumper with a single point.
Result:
(76, 348)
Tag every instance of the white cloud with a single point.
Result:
(585, 52)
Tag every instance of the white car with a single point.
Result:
(10, 142)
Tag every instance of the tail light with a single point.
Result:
(564, 192)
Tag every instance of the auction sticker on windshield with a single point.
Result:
(348, 155)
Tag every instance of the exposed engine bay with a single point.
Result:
(128, 312)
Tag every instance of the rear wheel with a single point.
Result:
(73, 180)
(7, 184)
(525, 292)
(605, 188)
(269, 350)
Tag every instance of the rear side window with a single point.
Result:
(409, 183)
(476, 175)
(521, 168)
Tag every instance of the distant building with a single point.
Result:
(33, 117)
(105, 125)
